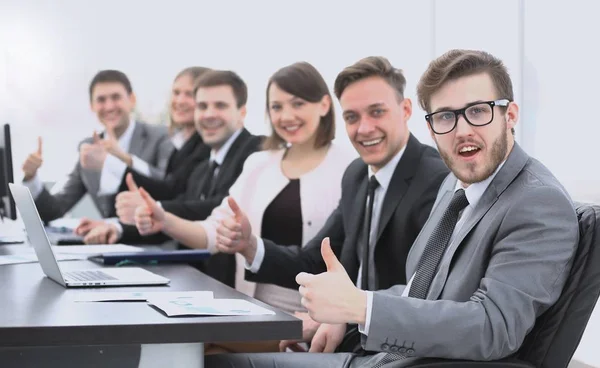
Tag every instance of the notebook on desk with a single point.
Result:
(152, 257)
(80, 278)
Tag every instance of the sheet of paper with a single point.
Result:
(208, 307)
(90, 250)
(112, 296)
(32, 258)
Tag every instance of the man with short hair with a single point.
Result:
(492, 257)
(104, 157)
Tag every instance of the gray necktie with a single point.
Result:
(436, 246)
(428, 264)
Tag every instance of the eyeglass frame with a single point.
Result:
(502, 102)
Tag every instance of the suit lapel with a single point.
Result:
(138, 139)
(358, 208)
(512, 167)
(231, 157)
(405, 169)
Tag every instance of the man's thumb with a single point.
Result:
(147, 198)
(237, 211)
(131, 183)
(96, 137)
(329, 257)
(39, 150)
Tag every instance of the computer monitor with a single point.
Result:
(7, 203)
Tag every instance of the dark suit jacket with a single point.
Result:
(188, 205)
(181, 163)
(406, 207)
(149, 142)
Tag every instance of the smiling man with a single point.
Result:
(387, 195)
(104, 157)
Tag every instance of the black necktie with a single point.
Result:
(209, 183)
(436, 246)
(373, 184)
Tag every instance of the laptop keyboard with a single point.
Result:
(89, 276)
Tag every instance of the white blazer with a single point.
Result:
(262, 180)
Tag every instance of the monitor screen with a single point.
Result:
(7, 204)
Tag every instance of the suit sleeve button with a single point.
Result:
(385, 347)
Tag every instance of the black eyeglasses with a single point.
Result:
(476, 114)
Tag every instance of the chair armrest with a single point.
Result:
(447, 363)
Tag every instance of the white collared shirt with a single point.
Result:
(179, 139)
(219, 155)
(473, 192)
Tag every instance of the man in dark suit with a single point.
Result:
(220, 111)
(104, 157)
(408, 174)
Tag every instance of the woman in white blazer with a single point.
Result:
(288, 190)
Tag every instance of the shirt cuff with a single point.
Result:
(365, 329)
(111, 175)
(35, 186)
(211, 236)
(258, 257)
(119, 228)
(140, 166)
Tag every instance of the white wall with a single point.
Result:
(49, 50)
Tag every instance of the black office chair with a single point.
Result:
(556, 334)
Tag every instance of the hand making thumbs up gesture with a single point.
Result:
(234, 234)
(149, 217)
(127, 201)
(331, 297)
(92, 155)
(33, 162)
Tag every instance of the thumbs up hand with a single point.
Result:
(149, 217)
(331, 297)
(128, 201)
(234, 233)
(33, 162)
(111, 145)
(92, 155)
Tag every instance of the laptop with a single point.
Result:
(38, 238)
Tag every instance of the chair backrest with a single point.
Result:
(557, 332)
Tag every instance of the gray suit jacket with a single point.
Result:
(148, 142)
(507, 265)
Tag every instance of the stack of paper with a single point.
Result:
(193, 306)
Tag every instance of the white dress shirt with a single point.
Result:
(218, 156)
(473, 192)
(114, 169)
